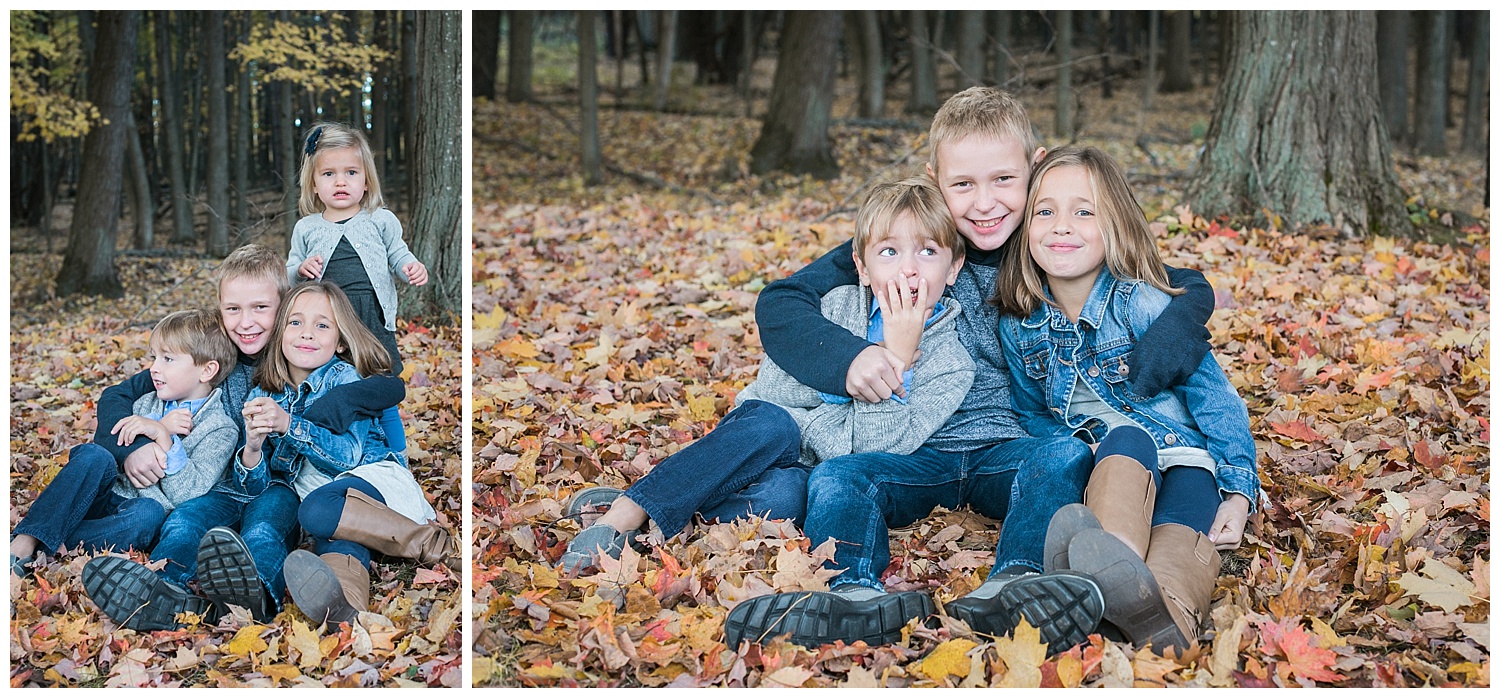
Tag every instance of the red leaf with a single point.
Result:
(1297, 430)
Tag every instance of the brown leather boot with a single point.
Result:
(333, 587)
(1122, 495)
(376, 526)
(1186, 565)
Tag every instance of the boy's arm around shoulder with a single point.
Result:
(1171, 348)
(814, 350)
(941, 379)
(210, 448)
(346, 404)
(116, 403)
(397, 254)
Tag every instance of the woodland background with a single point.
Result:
(633, 195)
(144, 147)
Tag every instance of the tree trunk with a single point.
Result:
(1433, 60)
(871, 64)
(486, 48)
(89, 264)
(1179, 58)
(380, 96)
(291, 149)
(1321, 158)
(997, 58)
(794, 136)
(923, 69)
(241, 154)
(1153, 40)
(664, 55)
(171, 126)
(1393, 36)
(1479, 63)
(518, 71)
(140, 188)
(970, 56)
(1064, 21)
(1107, 22)
(217, 181)
(588, 95)
(437, 168)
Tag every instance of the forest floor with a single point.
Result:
(613, 324)
(64, 352)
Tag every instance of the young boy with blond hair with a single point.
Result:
(981, 159)
(92, 504)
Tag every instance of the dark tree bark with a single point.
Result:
(923, 69)
(588, 95)
(518, 68)
(1179, 58)
(866, 35)
(1474, 103)
(664, 54)
(486, 47)
(970, 57)
(241, 153)
(1107, 22)
(172, 126)
(437, 168)
(217, 182)
(139, 179)
(1320, 158)
(1433, 61)
(794, 137)
(1064, 22)
(1393, 38)
(999, 45)
(290, 148)
(410, 91)
(89, 263)
(380, 95)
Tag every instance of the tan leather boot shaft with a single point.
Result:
(1186, 566)
(376, 526)
(1122, 494)
(353, 578)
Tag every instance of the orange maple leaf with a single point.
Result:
(1303, 657)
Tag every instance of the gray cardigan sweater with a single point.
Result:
(375, 236)
(940, 380)
(209, 447)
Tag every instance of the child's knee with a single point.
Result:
(1129, 441)
(91, 457)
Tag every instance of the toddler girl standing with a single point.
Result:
(357, 495)
(1175, 475)
(348, 238)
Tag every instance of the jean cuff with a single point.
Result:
(847, 578)
(1008, 563)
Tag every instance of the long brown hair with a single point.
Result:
(358, 345)
(1129, 246)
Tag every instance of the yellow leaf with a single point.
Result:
(1439, 585)
(702, 407)
(281, 672)
(484, 668)
(1325, 632)
(792, 676)
(305, 641)
(949, 659)
(1023, 655)
(1070, 671)
(247, 641)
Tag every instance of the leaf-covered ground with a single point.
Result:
(63, 354)
(613, 324)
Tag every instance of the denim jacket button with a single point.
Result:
(1124, 369)
(1093, 371)
(1057, 410)
(1127, 408)
(1170, 439)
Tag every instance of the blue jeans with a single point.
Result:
(857, 499)
(733, 471)
(78, 508)
(321, 510)
(267, 523)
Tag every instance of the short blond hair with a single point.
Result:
(915, 195)
(197, 334)
(255, 261)
(327, 136)
(359, 346)
(1130, 251)
(985, 111)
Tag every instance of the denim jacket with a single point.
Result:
(305, 443)
(1047, 354)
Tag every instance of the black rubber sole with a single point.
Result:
(316, 589)
(134, 597)
(227, 574)
(816, 618)
(1069, 521)
(1064, 608)
(1132, 597)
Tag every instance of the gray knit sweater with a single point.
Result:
(375, 236)
(941, 378)
(209, 447)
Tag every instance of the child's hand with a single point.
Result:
(874, 375)
(1229, 523)
(416, 273)
(130, 427)
(312, 267)
(263, 413)
(178, 422)
(146, 466)
(904, 317)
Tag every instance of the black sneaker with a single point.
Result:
(134, 597)
(815, 618)
(1064, 606)
(227, 574)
